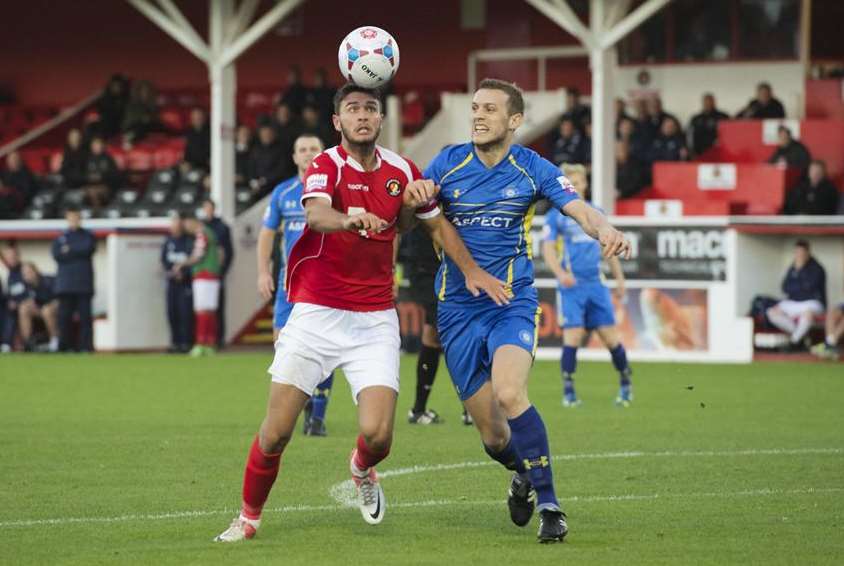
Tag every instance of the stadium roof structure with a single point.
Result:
(232, 31)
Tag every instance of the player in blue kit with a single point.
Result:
(285, 212)
(583, 302)
(488, 190)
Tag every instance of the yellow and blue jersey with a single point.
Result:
(285, 211)
(492, 209)
(581, 252)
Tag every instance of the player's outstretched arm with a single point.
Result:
(266, 282)
(613, 243)
(322, 217)
(477, 279)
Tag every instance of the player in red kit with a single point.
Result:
(340, 278)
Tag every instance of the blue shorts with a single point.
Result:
(470, 335)
(281, 309)
(586, 305)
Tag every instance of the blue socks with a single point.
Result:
(507, 457)
(568, 363)
(319, 400)
(619, 360)
(530, 440)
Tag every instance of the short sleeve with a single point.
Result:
(437, 167)
(320, 178)
(272, 216)
(553, 185)
(551, 230)
(430, 209)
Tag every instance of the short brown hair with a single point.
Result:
(350, 88)
(515, 100)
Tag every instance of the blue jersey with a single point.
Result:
(581, 253)
(285, 211)
(492, 210)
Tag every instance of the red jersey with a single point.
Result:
(351, 270)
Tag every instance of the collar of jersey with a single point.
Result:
(482, 164)
(352, 162)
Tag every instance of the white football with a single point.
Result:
(369, 57)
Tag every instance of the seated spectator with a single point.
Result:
(322, 94)
(17, 186)
(629, 172)
(15, 294)
(267, 163)
(570, 146)
(295, 94)
(804, 286)
(287, 129)
(703, 128)
(111, 107)
(41, 302)
(11, 201)
(670, 144)
(312, 123)
(620, 113)
(633, 138)
(655, 118)
(197, 142)
(101, 176)
(814, 194)
(242, 147)
(790, 152)
(576, 110)
(141, 115)
(74, 160)
(763, 106)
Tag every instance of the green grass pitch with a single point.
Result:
(139, 459)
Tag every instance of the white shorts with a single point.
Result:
(795, 309)
(317, 340)
(206, 294)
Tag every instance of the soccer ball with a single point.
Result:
(369, 57)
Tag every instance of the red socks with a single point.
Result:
(365, 458)
(206, 327)
(261, 471)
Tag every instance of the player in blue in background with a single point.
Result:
(285, 212)
(583, 302)
(488, 190)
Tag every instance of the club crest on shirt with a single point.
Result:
(525, 336)
(393, 187)
(509, 192)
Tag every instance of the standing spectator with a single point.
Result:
(111, 106)
(296, 94)
(570, 146)
(102, 176)
(655, 117)
(15, 295)
(73, 251)
(670, 144)
(287, 128)
(74, 167)
(197, 142)
(323, 95)
(141, 115)
(620, 113)
(205, 265)
(790, 152)
(175, 252)
(223, 236)
(804, 286)
(242, 147)
(40, 303)
(630, 173)
(18, 175)
(576, 110)
(703, 128)
(637, 147)
(814, 194)
(267, 163)
(763, 106)
(312, 123)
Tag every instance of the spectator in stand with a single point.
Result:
(242, 147)
(814, 194)
(141, 115)
(804, 286)
(703, 128)
(18, 175)
(267, 163)
(790, 152)
(312, 123)
(670, 144)
(570, 146)
(587, 145)
(73, 251)
(197, 142)
(101, 176)
(296, 93)
(111, 107)
(629, 173)
(74, 161)
(620, 113)
(41, 304)
(15, 295)
(576, 110)
(322, 95)
(175, 252)
(287, 129)
(637, 148)
(655, 117)
(763, 106)
(222, 233)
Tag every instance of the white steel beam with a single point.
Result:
(633, 20)
(245, 14)
(617, 10)
(180, 20)
(559, 12)
(258, 29)
(183, 37)
(223, 113)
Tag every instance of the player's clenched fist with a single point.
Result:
(613, 243)
(420, 192)
(364, 222)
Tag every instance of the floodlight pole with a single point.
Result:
(230, 35)
(607, 26)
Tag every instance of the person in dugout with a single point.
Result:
(175, 252)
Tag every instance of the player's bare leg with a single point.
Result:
(283, 408)
(834, 331)
(376, 417)
(50, 314)
(609, 336)
(572, 339)
(27, 310)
